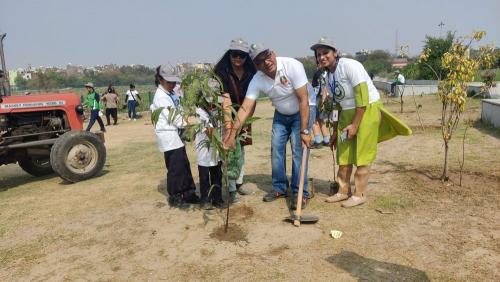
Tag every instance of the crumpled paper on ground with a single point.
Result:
(336, 234)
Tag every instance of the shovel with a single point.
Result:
(297, 218)
(334, 186)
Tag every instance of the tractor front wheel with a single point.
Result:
(78, 155)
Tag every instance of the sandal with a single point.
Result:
(354, 201)
(337, 198)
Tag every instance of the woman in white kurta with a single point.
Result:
(357, 133)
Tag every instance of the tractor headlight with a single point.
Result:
(79, 109)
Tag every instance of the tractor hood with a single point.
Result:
(45, 101)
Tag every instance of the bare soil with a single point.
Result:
(118, 226)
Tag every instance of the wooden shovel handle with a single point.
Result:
(296, 221)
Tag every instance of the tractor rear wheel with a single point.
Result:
(78, 155)
(36, 166)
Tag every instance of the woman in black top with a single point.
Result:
(236, 70)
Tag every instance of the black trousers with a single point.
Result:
(210, 178)
(179, 178)
(111, 112)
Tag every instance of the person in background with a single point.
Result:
(321, 134)
(132, 97)
(110, 99)
(399, 80)
(180, 184)
(92, 103)
(236, 70)
(312, 108)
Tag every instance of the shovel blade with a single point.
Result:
(303, 219)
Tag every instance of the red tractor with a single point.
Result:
(43, 133)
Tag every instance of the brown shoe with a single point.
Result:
(337, 198)
(354, 201)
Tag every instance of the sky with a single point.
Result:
(153, 32)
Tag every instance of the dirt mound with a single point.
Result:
(241, 213)
(234, 233)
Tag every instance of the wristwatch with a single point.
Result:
(305, 132)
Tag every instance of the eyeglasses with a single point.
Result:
(262, 57)
(238, 54)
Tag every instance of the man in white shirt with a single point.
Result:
(284, 81)
(400, 80)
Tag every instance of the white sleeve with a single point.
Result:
(297, 74)
(163, 101)
(202, 115)
(253, 90)
(355, 73)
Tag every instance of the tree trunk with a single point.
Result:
(444, 177)
(401, 98)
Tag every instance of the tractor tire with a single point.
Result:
(36, 166)
(78, 155)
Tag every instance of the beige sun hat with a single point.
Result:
(168, 74)
(256, 49)
(324, 41)
(89, 84)
(239, 44)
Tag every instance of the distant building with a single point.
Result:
(74, 70)
(202, 66)
(399, 63)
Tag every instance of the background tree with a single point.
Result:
(432, 68)
(309, 65)
(376, 62)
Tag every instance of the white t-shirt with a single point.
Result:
(348, 74)
(167, 133)
(290, 75)
(131, 95)
(204, 155)
(401, 79)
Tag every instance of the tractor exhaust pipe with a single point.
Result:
(4, 74)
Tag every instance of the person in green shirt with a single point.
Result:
(92, 102)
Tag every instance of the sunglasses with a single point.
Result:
(238, 54)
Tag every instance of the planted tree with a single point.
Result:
(452, 89)
(203, 89)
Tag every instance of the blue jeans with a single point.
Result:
(286, 127)
(94, 116)
(131, 109)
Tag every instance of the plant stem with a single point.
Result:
(417, 108)
(463, 154)
(401, 97)
(226, 177)
(444, 177)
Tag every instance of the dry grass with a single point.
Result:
(118, 227)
